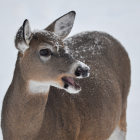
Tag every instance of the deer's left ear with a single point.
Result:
(23, 37)
(26, 32)
(63, 25)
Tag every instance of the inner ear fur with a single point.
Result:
(63, 25)
(27, 32)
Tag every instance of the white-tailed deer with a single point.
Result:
(34, 109)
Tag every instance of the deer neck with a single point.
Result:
(30, 92)
(24, 107)
(26, 90)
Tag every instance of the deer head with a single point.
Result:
(43, 59)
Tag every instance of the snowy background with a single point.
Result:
(120, 18)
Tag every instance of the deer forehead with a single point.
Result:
(50, 37)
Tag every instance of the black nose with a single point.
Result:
(81, 71)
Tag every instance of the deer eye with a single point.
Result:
(45, 52)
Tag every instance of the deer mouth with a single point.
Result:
(69, 81)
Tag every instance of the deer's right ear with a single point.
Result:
(63, 25)
(23, 37)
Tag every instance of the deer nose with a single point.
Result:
(82, 71)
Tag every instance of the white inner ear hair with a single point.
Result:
(63, 25)
(27, 32)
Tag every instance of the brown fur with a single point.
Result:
(91, 114)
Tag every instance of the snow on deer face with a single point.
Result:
(44, 61)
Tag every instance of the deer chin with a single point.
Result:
(69, 85)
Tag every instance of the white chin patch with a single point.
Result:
(41, 87)
(71, 90)
(35, 87)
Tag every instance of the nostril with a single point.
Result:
(78, 71)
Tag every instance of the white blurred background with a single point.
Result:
(120, 18)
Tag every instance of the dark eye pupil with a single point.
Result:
(45, 52)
